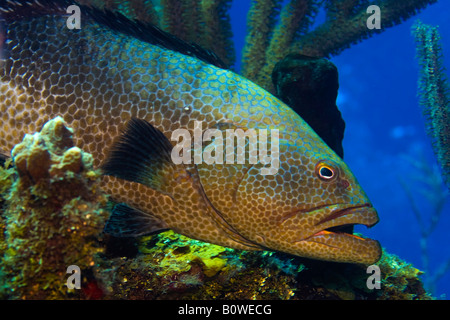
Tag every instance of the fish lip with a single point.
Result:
(363, 214)
(338, 215)
(351, 211)
(358, 250)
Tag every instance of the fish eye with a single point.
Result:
(325, 172)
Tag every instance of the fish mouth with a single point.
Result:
(341, 218)
(333, 231)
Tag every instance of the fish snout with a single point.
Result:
(323, 233)
(341, 245)
(364, 214)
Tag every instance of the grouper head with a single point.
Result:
(301, 208)
(306, 208)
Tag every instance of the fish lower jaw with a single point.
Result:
(326, 232)
(345, 247)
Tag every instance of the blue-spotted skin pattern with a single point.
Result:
(97, 80)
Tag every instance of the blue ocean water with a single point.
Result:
(385, 127)
(385, 134)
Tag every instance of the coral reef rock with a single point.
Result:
(52, 213)
(171, 266)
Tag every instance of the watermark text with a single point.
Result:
(256, 140)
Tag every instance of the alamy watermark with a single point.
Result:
(73, 21)
(374, 280)
(374, 21)
(213, 153)
(74, 280)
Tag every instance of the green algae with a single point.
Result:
(172, 266)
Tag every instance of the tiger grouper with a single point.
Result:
(125, 87)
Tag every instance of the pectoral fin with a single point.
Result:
(142, 154)
(129, 222)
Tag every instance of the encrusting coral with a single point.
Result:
(52, 212)
(171, 266)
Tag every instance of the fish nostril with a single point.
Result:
(345, 184)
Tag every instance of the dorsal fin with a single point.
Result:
(13, 10)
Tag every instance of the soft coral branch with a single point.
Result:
(434, 93)
(345, 25)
